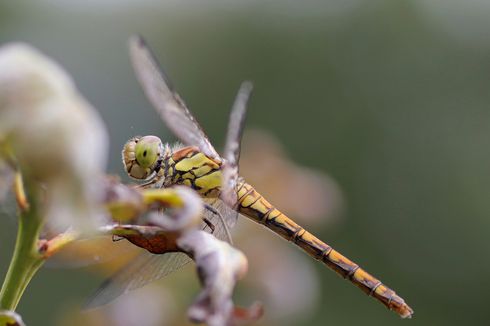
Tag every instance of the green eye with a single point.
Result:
(147, 151)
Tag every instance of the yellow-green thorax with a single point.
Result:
(188, 166)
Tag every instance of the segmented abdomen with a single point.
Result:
(256, 207)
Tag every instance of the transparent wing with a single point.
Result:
(166, 101)
(147, 268)
(232, 149)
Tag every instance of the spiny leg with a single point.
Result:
(206, 220)
(223, 222)
(147, 184)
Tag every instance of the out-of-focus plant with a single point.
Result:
(219, 265)
(53, 149)
(10, 318)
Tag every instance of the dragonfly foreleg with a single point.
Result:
(147, 184)
(222, 222)
(206, 220)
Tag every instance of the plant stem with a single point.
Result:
(26, 259)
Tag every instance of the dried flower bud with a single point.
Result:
(219, 266)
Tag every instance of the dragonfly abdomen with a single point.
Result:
(256, 207)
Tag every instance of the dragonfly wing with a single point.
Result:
(232, 148)
(146, 268)
(166, 101)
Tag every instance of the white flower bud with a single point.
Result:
(56, 136)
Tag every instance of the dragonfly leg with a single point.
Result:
(149, 183)
(207, 221)
(211, 225)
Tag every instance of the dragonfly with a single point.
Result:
(198, 165)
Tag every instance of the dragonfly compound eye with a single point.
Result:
(141, 156)
(147, 151)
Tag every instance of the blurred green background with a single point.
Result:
(390, 98)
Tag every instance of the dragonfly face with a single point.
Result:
(143, 157)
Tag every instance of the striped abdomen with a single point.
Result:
(254, 206)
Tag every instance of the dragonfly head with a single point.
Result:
(143, 157)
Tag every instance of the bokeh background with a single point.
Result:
(387, 102)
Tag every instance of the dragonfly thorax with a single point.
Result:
(143, 157)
